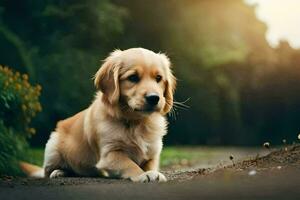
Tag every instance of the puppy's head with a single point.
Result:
(137, 82)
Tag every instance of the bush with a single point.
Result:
(19, 103)
(12, 150)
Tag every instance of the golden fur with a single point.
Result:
(116, 136)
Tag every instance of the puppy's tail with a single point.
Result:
(32, 170)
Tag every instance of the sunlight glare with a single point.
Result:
(282, 19)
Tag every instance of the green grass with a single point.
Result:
(204, 156)
(172, 156)
(35, 156)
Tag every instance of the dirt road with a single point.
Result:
(275, 176)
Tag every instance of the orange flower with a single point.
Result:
(27, 85)
(18, 86)
(25, 77)
(38, 87)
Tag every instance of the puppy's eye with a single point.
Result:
(134, 78)
(158, 78)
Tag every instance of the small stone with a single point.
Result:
(266, 145)
(284, 141)
(252, 172)
(279, 167)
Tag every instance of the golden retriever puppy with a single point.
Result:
(120, 134)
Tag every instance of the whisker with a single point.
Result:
(182, 104)
(178, 105)
(181, 107)
(171, 114)
(175, 113)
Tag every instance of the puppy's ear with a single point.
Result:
(170, 84)
(107, 78)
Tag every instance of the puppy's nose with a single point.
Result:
(152, 99)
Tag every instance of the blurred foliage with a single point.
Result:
(19, 103)
(241, 90)
(64, 42)
(35, 156)
(12, 150)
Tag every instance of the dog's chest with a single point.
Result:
(140, 146)
(141, 142)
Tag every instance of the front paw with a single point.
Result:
(57, 174)
(149, 176)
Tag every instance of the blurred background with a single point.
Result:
(237, 63)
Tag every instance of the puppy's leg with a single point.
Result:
(151, 167)
(52, 158)
(118, 164)
(152, 164)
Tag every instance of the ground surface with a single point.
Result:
(273, 176)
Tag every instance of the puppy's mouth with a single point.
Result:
(140, 109)
(146, 110)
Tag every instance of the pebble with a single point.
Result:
(252, 173)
